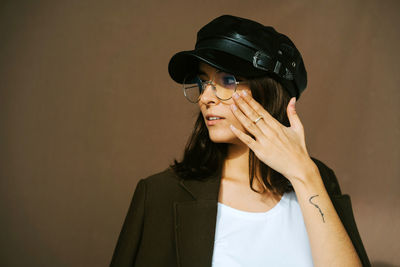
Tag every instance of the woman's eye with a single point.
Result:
(229, 80)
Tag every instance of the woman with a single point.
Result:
(246, 193)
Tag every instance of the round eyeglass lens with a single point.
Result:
(192, 88)
(225, 84)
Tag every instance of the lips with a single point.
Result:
(211, 117)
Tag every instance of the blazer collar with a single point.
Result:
(203, 189)
(195, 222)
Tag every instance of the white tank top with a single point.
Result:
(275, 238)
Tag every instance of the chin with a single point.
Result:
(222, 136)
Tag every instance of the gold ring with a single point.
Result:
(259, 118)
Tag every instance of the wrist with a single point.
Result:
(309, 177)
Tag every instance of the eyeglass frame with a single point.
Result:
(210, 82)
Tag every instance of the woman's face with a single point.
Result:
(211, 106)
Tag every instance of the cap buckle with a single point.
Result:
(257, 56)
(260, 56)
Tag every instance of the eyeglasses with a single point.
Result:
(223, 85)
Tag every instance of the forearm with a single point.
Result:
(329, 241)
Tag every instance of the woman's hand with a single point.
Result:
(281, 148)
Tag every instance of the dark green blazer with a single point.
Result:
(171, 221)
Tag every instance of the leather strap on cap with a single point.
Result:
(245, 50)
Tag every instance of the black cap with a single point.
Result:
(246, 48)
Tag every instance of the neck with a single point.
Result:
(236, 164)
(236, 167)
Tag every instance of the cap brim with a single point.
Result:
(186, 62)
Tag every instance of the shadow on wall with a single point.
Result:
(382, 264)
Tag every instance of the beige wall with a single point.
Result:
(87, 109)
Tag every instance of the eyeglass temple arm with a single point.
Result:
(191, 86)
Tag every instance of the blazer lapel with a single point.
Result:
(195, 222)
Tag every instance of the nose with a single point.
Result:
(208, 96)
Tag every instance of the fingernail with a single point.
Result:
(232, 127)
(236, 95)
(234, 107)
(244, 93)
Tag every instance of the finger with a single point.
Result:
(246, 122)
(294, 119)
(250, 142)
(264, 125)
(245, 107)
(259, 109)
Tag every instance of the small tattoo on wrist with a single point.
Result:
(322, 214)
